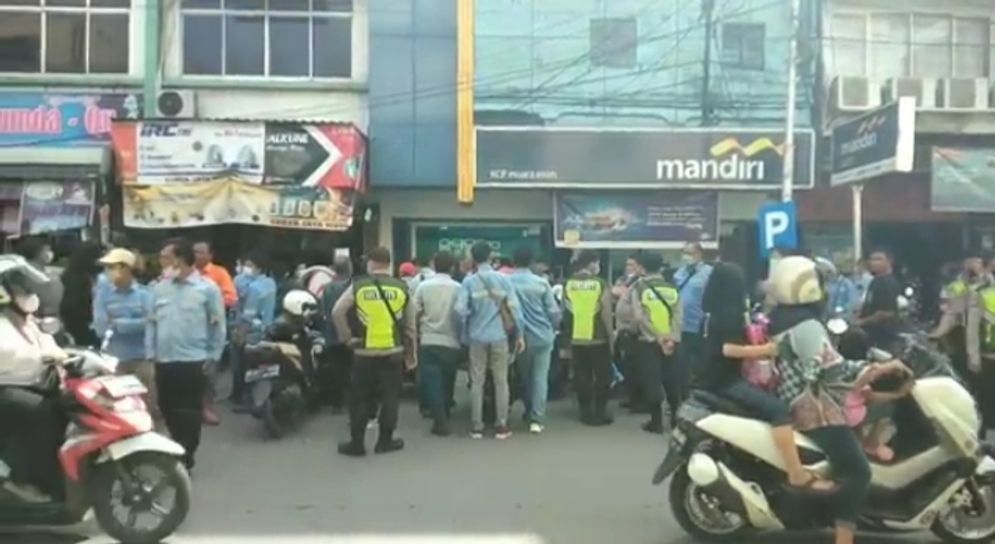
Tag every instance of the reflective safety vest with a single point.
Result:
(582, 295)
(987, 295)
(956, 288)
(660, 309)
(380, 321)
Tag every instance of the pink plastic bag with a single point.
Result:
(855, 407)
(759, 372)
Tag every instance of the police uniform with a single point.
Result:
(979, 333)
(657, 309)
(376, 313)
(588, 323)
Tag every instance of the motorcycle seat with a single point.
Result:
(721, 404)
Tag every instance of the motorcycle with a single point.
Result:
(728, 476)
(132, 478)
(281, 375)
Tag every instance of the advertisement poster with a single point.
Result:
(330, 156)
(63, 119)
(179, 205)
(55, 206)
(662, 220)
(963, 180)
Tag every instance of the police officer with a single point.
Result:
(958, 297)
(657, 317)
(588, 324)
(376, 314)
(625, 337)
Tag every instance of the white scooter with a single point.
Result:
(728, 475)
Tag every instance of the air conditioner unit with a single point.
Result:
(964, 94)
(923, 89)
(852, 93)
(176, 105)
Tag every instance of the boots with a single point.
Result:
(655, 424)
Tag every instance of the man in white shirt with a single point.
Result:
(439, 348)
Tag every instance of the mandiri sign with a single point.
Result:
(876, 143)
(639, 158)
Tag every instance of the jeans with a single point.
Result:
(534, 372)
(656, 369)
(375, 376)
(758, 402)
(437, 369)
(851, 471)
(236, 356)
(592, 377)
(495, 358)
(688, 353)
(34, 426)
(181, 398)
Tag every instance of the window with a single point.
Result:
(886, 45)
(64, 36)
(268, 38)
(743, 45)
(613, 42)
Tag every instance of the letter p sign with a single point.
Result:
(777, 227)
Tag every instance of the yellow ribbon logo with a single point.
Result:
(760, 145)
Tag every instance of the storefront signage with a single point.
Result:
(876, 143)
(459, 238)
(64, 119)
(963, 180)
(661, 219)
(56, 206)
(639, 158)
(327, 155)
(178, 205)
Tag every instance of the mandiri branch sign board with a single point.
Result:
(639, 158)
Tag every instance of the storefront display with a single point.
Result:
(456, 238)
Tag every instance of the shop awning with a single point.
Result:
(54, 163)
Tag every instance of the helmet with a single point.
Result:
(825, 267)
(19, 281)
(299, 302)
(795, 281)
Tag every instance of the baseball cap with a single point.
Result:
(119, 256)
(408, 269)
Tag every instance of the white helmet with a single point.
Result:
(18, 281)
(299, 302)
(795, 281)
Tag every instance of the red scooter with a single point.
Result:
(114, 463)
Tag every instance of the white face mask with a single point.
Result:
(249, 270)
(47, 256)
(28, 303)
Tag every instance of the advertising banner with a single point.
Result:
(963, 180)
(878, 142)
(55, 206)
(331, 156)
(504, 239)
(63, 119)
(178, 205)
(639, 158)
(662, 219)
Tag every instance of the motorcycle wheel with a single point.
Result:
(701, 520)
(270, 421)
(961, 524)
(119, 515)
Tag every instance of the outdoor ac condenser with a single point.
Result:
(965, 94)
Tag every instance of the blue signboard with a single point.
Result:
(63, 119)
(875, 143)
(777, 225)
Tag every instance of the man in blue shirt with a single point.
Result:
(122, 310)
(541, 317)
(254, 312)
(491, 318)
(690, 281)
(187, 337)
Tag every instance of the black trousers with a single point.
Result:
(33, 424)
(626, 355)
(984, 393)
(592, 377)
(339, 374)
(374, 377)
(851, 471)
(181, 399)
(656, 369)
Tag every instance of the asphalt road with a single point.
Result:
(571, 485)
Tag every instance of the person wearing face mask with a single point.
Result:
(690, 280)
(27, 415)
(39, 255)
(254, 312)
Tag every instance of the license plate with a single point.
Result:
(256, 374)
(122, 386)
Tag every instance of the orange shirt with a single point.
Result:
(222, 279)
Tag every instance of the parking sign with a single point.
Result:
(777, 226)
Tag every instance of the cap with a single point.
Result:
(119, 256)
(408, 269)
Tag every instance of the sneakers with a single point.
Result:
(536, 428)
(477, 435)
(26, 493)
(352, 449)
(388, 446)
(502, 433)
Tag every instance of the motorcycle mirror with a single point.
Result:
(837, 326)
(50, 325)
(909, 292)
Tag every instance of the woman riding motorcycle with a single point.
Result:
(30, 421)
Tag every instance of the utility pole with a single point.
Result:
(788, 181)
(707, 8)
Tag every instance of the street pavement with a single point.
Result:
(571, 485)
